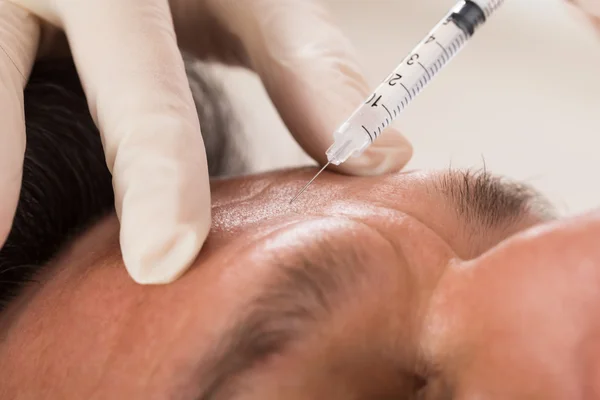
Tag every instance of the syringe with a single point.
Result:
(403, 85)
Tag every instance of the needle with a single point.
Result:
(311, 181)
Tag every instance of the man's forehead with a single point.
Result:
(312, 280)
(476, 199)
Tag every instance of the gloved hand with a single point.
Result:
(132, 72)
(591, 8)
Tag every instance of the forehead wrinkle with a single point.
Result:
(304, 291)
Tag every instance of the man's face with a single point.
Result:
(340, 295)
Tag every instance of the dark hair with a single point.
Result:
(66, 185)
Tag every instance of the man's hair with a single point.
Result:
(66, 185)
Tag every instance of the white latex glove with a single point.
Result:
(591, 8)
(133, 76)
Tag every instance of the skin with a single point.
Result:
(509, 312)
(128, 59)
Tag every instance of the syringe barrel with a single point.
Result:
(488, 6)
(403, 85)
(348, 141)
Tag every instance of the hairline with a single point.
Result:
(66, 185)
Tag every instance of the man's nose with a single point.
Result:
(522, 321)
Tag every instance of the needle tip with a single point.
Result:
(308, 184)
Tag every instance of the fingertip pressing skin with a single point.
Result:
(309, 69)
(137, 90)
(389, 153)
(155, 265)
(165, 205)
(19, 35)
(134, 80)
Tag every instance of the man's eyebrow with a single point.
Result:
(490, 200)
(300, 295)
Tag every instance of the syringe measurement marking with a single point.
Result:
(368, 133)
(422, 66)
(388, 111)
(407, 91)
(446, 54)
(443, 48)
(454, 47)
(465, 18)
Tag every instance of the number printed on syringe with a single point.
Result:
(403, 85)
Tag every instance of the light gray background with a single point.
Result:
(524, 95)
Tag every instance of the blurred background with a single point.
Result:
(524, 95)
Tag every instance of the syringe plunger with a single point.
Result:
(405, 83)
